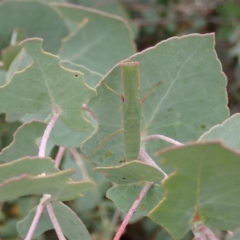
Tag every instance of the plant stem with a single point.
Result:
(201, 232)
(144, 157)
(46, 134)
(132, 210)
(162, 137)
(55, 223)
(59, 156)
(35, 221)
(41, 153)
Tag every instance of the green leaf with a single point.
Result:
(71, 226)
(27, 165)
(132, 172)
(100, 40)
(92, 77)
(182, 107)
(8, 55)
(24, 142)
(21, 61)
(17, 175)
(124, 196)
(72, 190)
(226, 132)
(50, 86)
(201, 187)
(84, 170)
(62, 136)
(43, 225)
(48, 24)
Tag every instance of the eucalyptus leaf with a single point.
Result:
(177, 78)
(202, 187)
(71, 226)
(24, 142)
(50, 88)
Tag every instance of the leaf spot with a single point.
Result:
(143, 206)
(108, 154)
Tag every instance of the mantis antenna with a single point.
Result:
(132, 111)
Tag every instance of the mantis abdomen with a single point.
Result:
(131, 110)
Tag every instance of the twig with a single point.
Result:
(46, 134)
(80, 163)
(144, 157)
(41, 153)
(59, 156)
(162, 137)
(201, 232)
(55, 222)
(132, 210)
(35, 221)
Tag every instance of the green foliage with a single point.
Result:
(73, 68)
(47, 89)
(182, 113)
(71, 225)
(204, 169)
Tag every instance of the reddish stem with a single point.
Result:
(41, 153)
(46, 134)
(35, 221)
(55, 222)
(59, 156)
(202, 232)
(132, 210)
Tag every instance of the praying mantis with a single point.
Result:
(132, 109)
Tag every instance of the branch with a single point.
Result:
(41, 153)
(46, 134)
(59, 156)
(162, 137)
(144, 157)
(35, 221)
(201, 232)
(55, 223)
(132, 210)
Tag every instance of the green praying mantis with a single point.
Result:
(132, 109)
